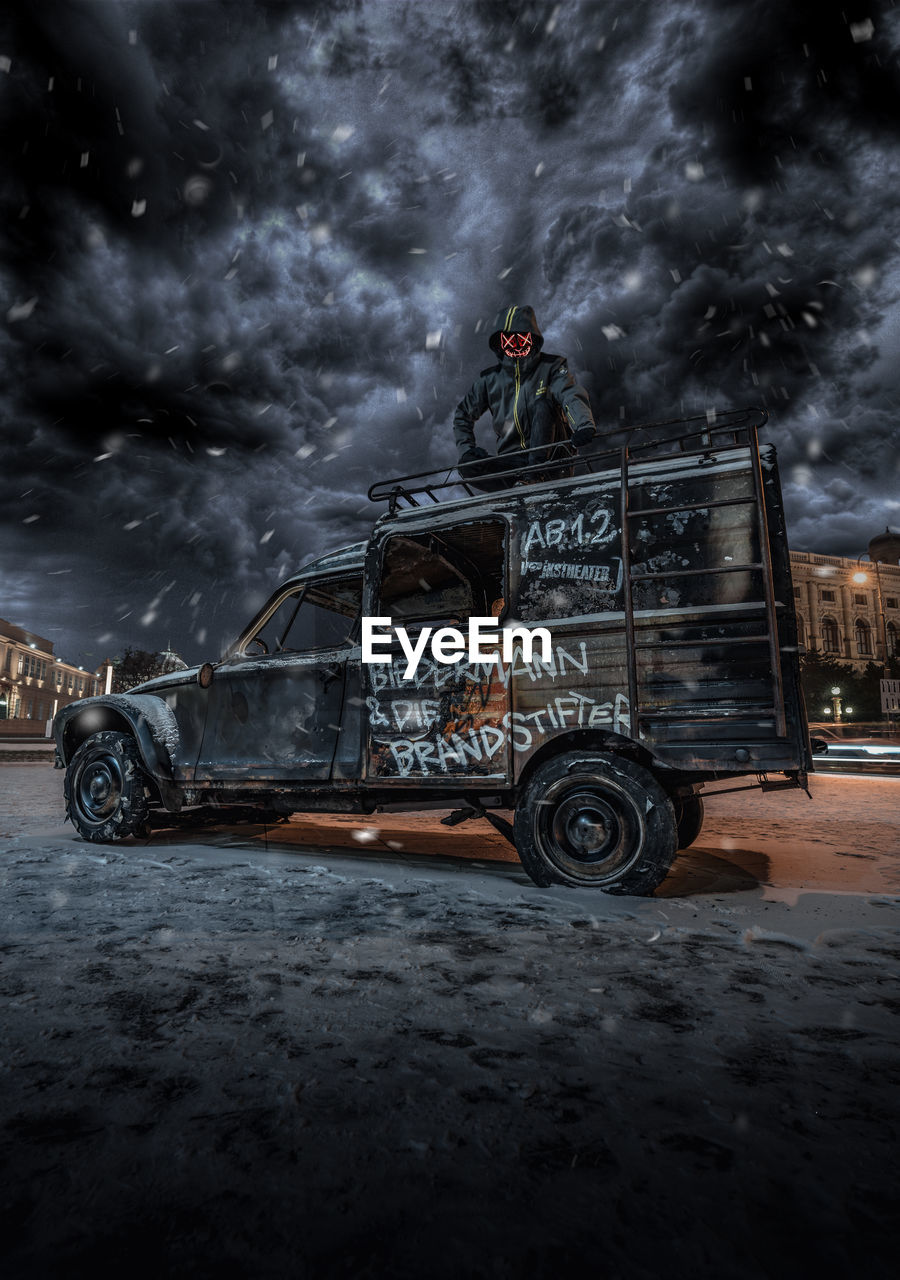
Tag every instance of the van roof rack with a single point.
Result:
(695, 434)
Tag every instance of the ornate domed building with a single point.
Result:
(170, 661)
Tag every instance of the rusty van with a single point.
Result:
(661, 570)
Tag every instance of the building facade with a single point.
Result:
(847, 609)
(34, 684)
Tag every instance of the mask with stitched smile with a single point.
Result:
(516, 345)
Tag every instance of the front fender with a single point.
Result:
(151, 722)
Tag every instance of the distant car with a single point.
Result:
(661, 574)
(834, 751)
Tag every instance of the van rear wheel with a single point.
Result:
(595, 821)
(689, 818)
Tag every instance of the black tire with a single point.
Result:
(595, 821)
(688, 819)
(106, 788)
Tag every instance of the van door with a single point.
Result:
(275, 708)
(448, 721)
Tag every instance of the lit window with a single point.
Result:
(831, 640)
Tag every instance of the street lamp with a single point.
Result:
(861, 576)
(836, 702)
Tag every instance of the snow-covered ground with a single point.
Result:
(232, 1054)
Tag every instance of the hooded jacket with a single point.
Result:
(511, 391)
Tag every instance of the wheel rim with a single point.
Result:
(99, 787)
(590, 828)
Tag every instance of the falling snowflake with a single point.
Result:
(21, 310)
(197, 189)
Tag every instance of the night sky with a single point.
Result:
(251, 251)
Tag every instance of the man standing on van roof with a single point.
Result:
(532, 397)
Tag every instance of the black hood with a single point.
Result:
(515, 320)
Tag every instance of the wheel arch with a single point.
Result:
(588, 740)
(148, 719)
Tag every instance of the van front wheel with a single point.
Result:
(106, 788)
(595, 821)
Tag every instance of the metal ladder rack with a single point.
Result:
(645, 442)
(764, 566)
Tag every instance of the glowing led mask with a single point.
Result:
(516, 345)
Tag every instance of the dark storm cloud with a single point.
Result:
(774, 78)
(252, 251)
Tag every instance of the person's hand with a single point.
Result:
(475, 454)
(583, 435)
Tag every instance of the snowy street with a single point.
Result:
(371, 1047)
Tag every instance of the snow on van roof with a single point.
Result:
(344, 558)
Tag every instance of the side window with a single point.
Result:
(320, 616)
(448, 576)
(327, 615)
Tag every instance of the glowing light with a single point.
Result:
(516, 345)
